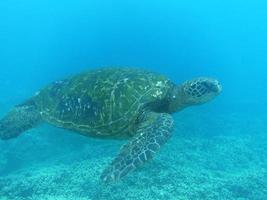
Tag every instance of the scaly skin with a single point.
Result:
(116, 103)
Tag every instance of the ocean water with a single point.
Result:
(218, 150)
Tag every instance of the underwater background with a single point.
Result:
(218, 151)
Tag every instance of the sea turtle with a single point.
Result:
(119, 103)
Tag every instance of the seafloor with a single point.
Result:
(220, 156)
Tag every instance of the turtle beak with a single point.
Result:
(217, 87)
(214, 86)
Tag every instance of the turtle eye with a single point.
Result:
(212, 86)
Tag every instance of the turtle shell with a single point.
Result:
(102, 102)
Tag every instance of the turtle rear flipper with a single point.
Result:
(18, 120)
(151, 135)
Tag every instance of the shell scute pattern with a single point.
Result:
(101, 102)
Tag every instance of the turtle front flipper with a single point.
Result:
(153, 133)
(21, 118)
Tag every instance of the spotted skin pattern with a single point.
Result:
(151, 135)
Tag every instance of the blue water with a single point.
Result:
(218, 150)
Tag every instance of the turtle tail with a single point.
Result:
(21, 118)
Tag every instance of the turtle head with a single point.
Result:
(194, 92)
